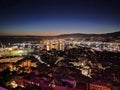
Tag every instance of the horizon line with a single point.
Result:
(56, 34)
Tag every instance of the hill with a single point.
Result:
(107, 37)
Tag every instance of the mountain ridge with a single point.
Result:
(112, 33)
(107, 37)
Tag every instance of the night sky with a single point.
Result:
(53, 17)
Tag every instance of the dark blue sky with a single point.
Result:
(51, 17)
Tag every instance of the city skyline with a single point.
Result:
(45, 17)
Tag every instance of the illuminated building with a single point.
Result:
(55, 44)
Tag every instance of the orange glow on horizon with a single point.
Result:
(29, 34)
(33, 33)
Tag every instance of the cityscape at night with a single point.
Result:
(59, 45)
